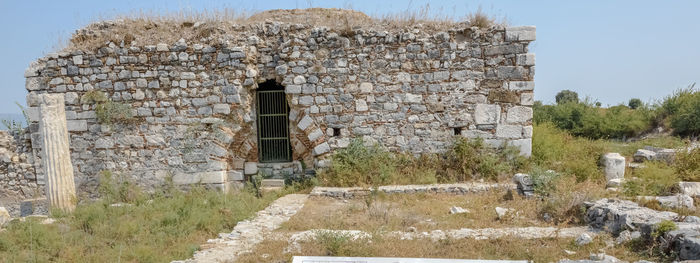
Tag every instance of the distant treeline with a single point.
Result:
(679, 112)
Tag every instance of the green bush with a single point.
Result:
(681, 111)
(555, 148)
(687, 165)
(566, 96)
(107, 111)
(656, 178)
(634, 103)
(587, 120)
(361, 165)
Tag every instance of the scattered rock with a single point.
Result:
(458, 210)
(412, 229)
(674, 201)
(692, 219)
(613, 165)
(618, 182)
(502, 212)
(685, 242)
(636, 166)
(583, 239)
(524, 184)
(569, 252)
(690, 188)
(4, 216)
(626, 236)
(644, 155)
(616, 215)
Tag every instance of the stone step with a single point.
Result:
(267, 183)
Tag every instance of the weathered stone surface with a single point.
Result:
(674, 201)
(644, 155)
(613, 166)
(525, 185)
(615, 216)
(458, 210)
(4, 216)
(405, 90)
(487, 114)
(55, 154)
(685, 242)
(690, 188)
(251, 168)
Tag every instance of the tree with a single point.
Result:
(634, 103)
(565, 96)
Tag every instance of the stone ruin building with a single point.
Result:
(218, 102)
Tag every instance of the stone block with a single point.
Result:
(77, 125)
(527, 99)
(525, 59)
(305, 123)
(642, 155)
(521, 33)
(690, 188)
(251, 168)
(216, 177)
(315, 134)
(519, 114)
(413, 98)
(272, 183)
(524, 145)
(235, 175)
(487, 114)
(509, 131)
(613, 166)
(521, 85)
(322, 148)
(361, 105)
(222, 109)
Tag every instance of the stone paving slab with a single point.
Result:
(248, 233)
(394, 260)
(460, 188)
(465, 233)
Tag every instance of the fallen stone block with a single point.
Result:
(613, 165)
(674, 201)
(690, 188)
(644, 155)
(615, 216)
(685, 242)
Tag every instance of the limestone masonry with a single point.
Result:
(195, 112)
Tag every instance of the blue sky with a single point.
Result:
(608, 50)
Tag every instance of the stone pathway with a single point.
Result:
(464, 233)
(249, 233)
(462, 188)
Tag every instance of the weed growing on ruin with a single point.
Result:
(552, 147)
(656, 178)
(687, 165)
(107, 111)
(129, 225)
(359, 164)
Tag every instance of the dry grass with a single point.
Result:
(425, 212)
(537, 250)
(215, 26)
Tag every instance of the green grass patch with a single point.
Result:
(158, 227)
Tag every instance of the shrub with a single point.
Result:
(552, 147)
(687, 165)
(664, 227)
(112, 112)
(361, 165)
(682, 111)
(586, 120)
(107, 111)
(656, 178)
(566, 96)
(634, 103)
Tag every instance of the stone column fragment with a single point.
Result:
(55, 152)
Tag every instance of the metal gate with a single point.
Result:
(273, 126)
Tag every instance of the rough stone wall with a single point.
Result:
(18, 179)
(194, 103)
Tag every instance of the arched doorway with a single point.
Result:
(273, 123)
